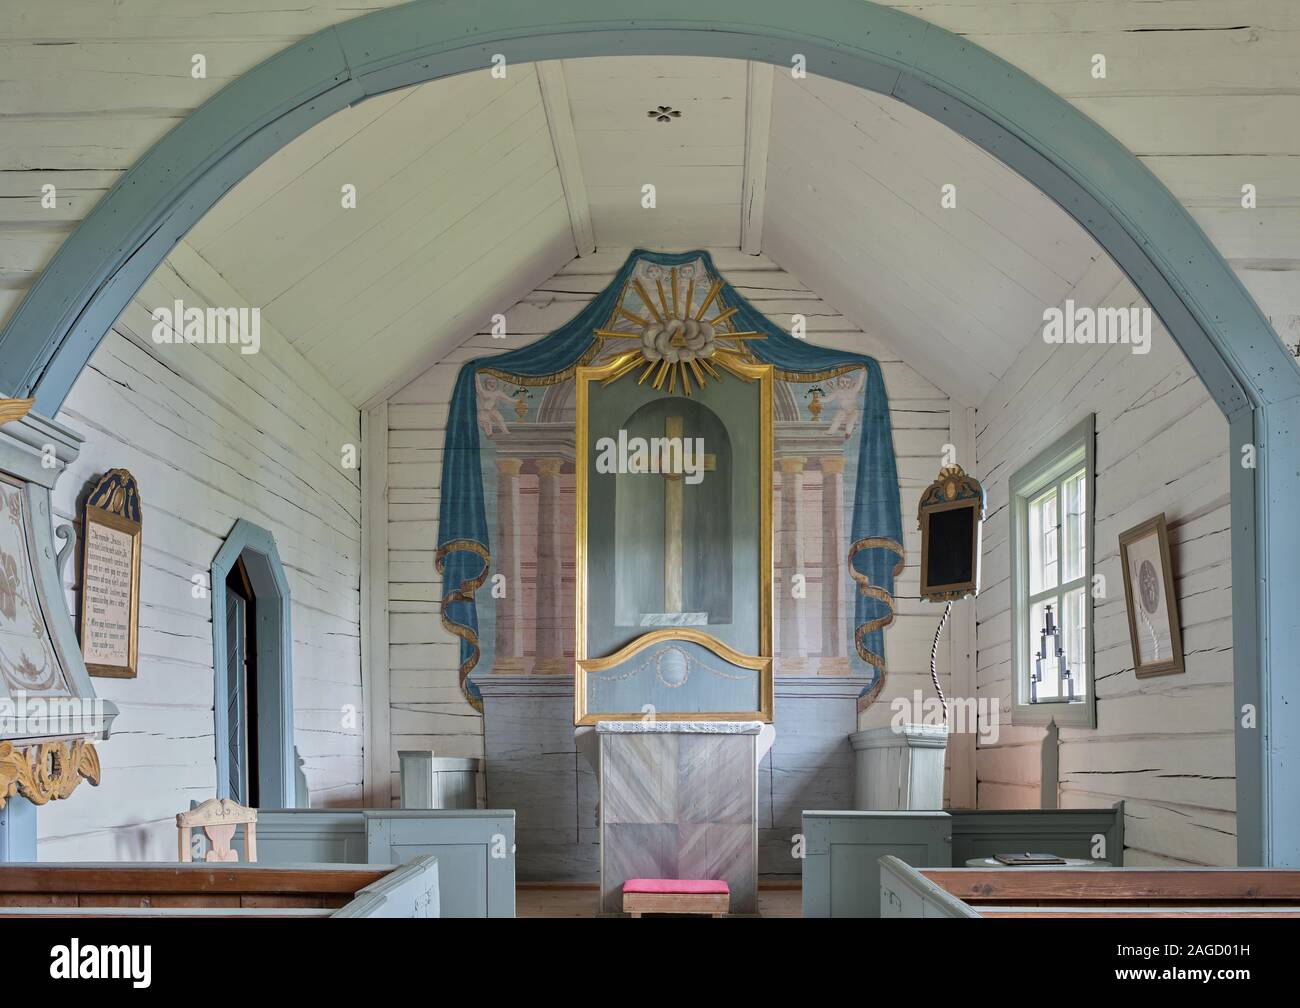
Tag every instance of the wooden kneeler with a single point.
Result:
(676, 896)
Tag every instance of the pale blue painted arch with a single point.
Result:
(1070, 158)
(277, 764)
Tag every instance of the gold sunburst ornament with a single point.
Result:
(677, 341)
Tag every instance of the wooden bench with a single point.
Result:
(676, 896)
(1086, 892)
(228, 890)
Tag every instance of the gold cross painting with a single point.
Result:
(632, 497)
(674, 473)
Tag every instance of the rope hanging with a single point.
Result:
(934, 653)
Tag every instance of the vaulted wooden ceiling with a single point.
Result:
(473, 190)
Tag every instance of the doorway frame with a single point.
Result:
(277, 764)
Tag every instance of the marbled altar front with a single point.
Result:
(679, 802)
(533, 765)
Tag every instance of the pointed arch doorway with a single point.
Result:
(252, 661)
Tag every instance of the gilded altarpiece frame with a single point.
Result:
(712, 612)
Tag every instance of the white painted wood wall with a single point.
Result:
(212, 435)
(1164, 745)
(427, 709)
(1201, 90)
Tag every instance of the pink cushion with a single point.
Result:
(675, 886)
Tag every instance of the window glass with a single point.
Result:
(1042, 542)
(1075, 626)
(1047, 686)
(1075, 552)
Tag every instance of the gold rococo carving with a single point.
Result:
(47, 771)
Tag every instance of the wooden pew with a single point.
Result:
(994, 893)
(475, 848)
(228, 890)
(841, 873)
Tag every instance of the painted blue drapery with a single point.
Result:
(463, 555)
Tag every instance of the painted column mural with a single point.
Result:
(509, 468)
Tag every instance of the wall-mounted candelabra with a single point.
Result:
(1050, 665)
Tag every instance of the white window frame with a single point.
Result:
(1050, 467)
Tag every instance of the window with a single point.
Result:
(1051, 583)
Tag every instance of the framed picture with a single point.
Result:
(1152, 605)
(951, 519)
(109, 617)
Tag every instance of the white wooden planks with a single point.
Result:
(1165, 744)
(213, 435)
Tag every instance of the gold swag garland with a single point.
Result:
(464, 592)
(865, 587)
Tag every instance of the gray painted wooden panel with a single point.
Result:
(810, 765)
(475, 847)
(476, 850)
(437, 782)
(533, 766)
(841, 874)
(17, 830)
(309, 836)
(905, 892)
(841, 868)
(1064, 832)
(413, 890)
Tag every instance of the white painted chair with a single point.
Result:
(218, 818)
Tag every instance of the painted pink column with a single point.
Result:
(550, 560)
(506, 560)
(834, 660)
(790, 645)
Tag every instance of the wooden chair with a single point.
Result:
(218, 817)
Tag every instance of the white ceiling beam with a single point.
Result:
(555, 98)
(758, 129)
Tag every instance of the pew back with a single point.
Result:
(907, 891)
(230, 890)
(841, 865)
(475, 848)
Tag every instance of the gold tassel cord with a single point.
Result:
(465, 593)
